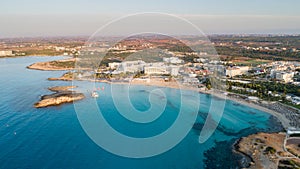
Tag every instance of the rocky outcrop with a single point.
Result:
(61, 88)
(62, 95)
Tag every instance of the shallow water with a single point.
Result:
(53, 137)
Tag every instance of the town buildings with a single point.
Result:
(173, 60)
(6, 53)
(155, 68)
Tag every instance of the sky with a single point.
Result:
(22, 18)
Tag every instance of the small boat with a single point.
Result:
(95, 94)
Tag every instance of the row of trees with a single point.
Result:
(236, 51)
(263, 89)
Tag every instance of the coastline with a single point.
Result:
(216, 93)
(234, 97)
(172, 84)
(248, 160)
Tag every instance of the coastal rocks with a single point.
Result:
(221, 156)
(246, 160)
(264, 149)
(61, 88)
(62, 95)
(59, 79)
(65, 77)
(234, 153)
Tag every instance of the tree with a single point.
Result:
(208, 83)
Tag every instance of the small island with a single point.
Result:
(62, 95)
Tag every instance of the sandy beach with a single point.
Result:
(243, 145)
(176, 85)
(159, 82)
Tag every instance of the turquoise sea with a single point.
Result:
(53, 137)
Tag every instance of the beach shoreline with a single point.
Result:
(171, 84)
(265, 107)
(249, 159)
(216, 93)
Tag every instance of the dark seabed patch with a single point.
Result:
(222, 155)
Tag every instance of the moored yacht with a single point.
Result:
(95, 94)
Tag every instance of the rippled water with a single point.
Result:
(53, 138)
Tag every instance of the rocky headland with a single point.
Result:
(66, 64)
(267, 150)
(62, 95)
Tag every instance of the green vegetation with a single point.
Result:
(181, 48)
(208, 83)
(258, 140)
(290, 41)
(232, 49)
(270, 150)
(44, 52)
(263, 87)
(117, 76)
(236, 51)
(103, 76)
(288, 164)
(252, 62)
(291, 104)
(68, 75)
(189, 58)
(138, 75)
(63, 64)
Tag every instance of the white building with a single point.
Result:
(293, 130)
(253, 98)
(192, 75)
(296, 100)
(131, 66)
(237, 70)
(57, 48)
(114, 65)
(161, 68)
(285, 76)
(174, 70)
(119, 47)
(6, 53)
(173, 60)
(190, 80)
(149, 70)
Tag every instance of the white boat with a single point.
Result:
(95, 94)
